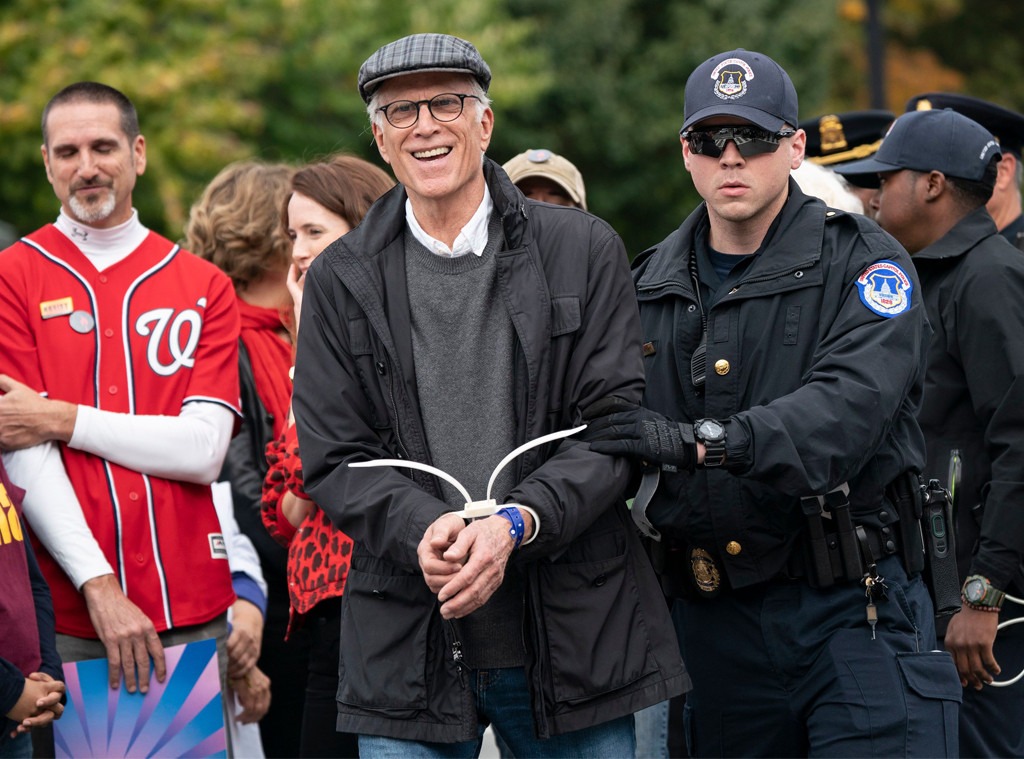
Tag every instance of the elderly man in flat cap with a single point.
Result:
(458, 322)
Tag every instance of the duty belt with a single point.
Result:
(834, 548)
(875, 544)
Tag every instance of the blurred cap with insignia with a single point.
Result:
(838, 138)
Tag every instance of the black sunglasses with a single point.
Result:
(749, 140)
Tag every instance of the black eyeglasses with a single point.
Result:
(447, 106)
(749, 140)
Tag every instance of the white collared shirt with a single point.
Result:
(472, 238)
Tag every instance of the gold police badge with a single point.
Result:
(832, 136)
(705, 572)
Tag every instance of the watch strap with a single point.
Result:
(991, 601)
(978, 607)
(714, 449)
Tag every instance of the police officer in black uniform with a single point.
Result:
(784, 353)
(836, 139)
(1008, 128)
(938, 169)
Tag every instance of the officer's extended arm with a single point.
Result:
(646, 435)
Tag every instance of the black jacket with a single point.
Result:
(598, 638)
(973, 282)
(815, 387)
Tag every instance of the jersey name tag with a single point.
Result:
(60, 307)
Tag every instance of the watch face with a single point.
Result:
(974, 591)
(711, 430)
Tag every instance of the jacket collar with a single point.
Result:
(384, 223)
(509, 203)
(667, 262)
(968, 232)
(372, 254)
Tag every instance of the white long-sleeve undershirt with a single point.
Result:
(54, 513)
(242, 556)
(190, 447)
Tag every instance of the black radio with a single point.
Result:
(940, 571)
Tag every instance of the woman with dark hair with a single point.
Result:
(327, 200)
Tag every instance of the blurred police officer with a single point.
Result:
(836, 139)
(938, 169)
(1008, 129)
(784, 355)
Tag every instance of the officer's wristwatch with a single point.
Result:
(712, 434)
(978, 594)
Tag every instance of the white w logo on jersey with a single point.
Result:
(184, 355)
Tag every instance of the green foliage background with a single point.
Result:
(600, 81)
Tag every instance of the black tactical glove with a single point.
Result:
(643, 434)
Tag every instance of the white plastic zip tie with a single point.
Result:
(488, 506)
(1000, 626)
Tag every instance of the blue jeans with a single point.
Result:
(503, 701)
(652, 732)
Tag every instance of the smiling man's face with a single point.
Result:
(91, 163)
(438, 162)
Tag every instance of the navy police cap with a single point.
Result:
(943, 140)
(744, 84)
(1006, 125)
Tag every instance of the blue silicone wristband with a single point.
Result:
(518, 528)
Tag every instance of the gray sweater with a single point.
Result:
(463, 348)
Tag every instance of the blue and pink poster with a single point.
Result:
(183, 716)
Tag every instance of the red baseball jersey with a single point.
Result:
(154, 331)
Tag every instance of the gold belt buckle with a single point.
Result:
(706, 576)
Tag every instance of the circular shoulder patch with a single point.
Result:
(885, 288)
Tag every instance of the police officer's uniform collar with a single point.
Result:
(961, 238)
(667, 262)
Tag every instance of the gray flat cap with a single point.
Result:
(422, 52)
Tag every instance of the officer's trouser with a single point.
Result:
(785, 670)
(992, 719)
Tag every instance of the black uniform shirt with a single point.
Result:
(973, 286)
